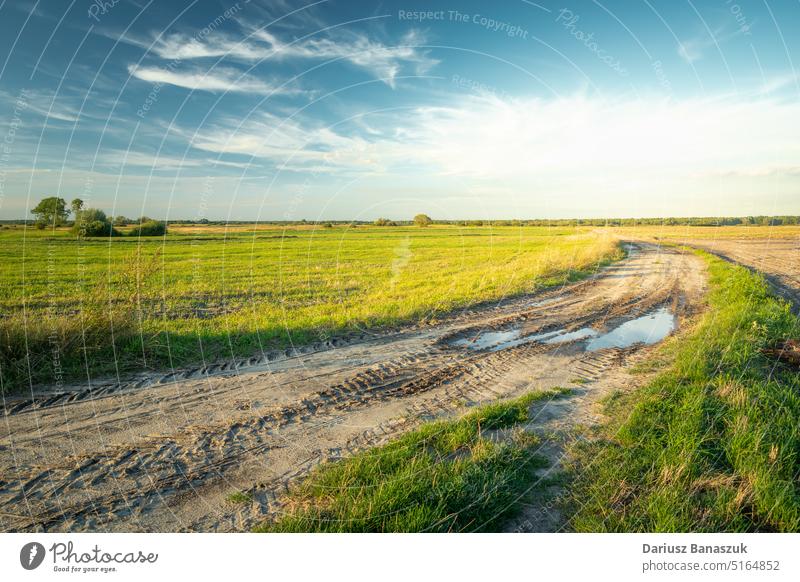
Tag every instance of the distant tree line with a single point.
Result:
(423, 220)
(90, 222)
(672, 221)
(53, 212)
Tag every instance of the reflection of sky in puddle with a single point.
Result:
(560, 337)
(489, 339)
(648, 329)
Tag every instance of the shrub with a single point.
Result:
(99, 228)
(150, 228)
(422, 220)
(93, 222)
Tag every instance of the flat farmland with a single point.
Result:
(288, 377)
(79, 309)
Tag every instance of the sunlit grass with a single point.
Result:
(451, 475)
(713, 443)
(102, 306)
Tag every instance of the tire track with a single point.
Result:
(139, 454)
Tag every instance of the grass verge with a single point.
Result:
(713, 442)
(466, 474)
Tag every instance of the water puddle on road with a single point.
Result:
(648, 329)
(561, 336)
(489, 339)
(501, 340)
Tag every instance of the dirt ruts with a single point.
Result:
(164, 452)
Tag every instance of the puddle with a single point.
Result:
(648, 329)
(560, 337)
(493, 339)
(501, 340)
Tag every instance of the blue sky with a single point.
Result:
(282, 110)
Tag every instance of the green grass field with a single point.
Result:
(467, 474)
(713, 443)
(73, 309)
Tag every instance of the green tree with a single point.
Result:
(422, 220)
(77, 206)
(93, 222)
(91, 215)
(51, 211)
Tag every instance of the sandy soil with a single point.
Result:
(778, 259)
(163, 452)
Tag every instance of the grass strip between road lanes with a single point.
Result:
(712, 444)
(466, 474)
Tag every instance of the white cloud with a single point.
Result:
(285, 142)
(218, 79)
(183, 47)
(578, 136)
(485, 156)
(132, 159)
(777, 83)
(384, 61)
(488, 136)
(53, 107)
(691, 50)
(694, 49)
(600, 156)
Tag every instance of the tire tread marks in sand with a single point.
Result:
(140, 464)
(167, 465)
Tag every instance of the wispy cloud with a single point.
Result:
(382, 60)
(778, 83)
(694, 49)
(47, 105)
(217, 79)
(284, 142)
(158, 162)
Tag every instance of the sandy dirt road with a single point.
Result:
(162, 453)
(778, 259)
